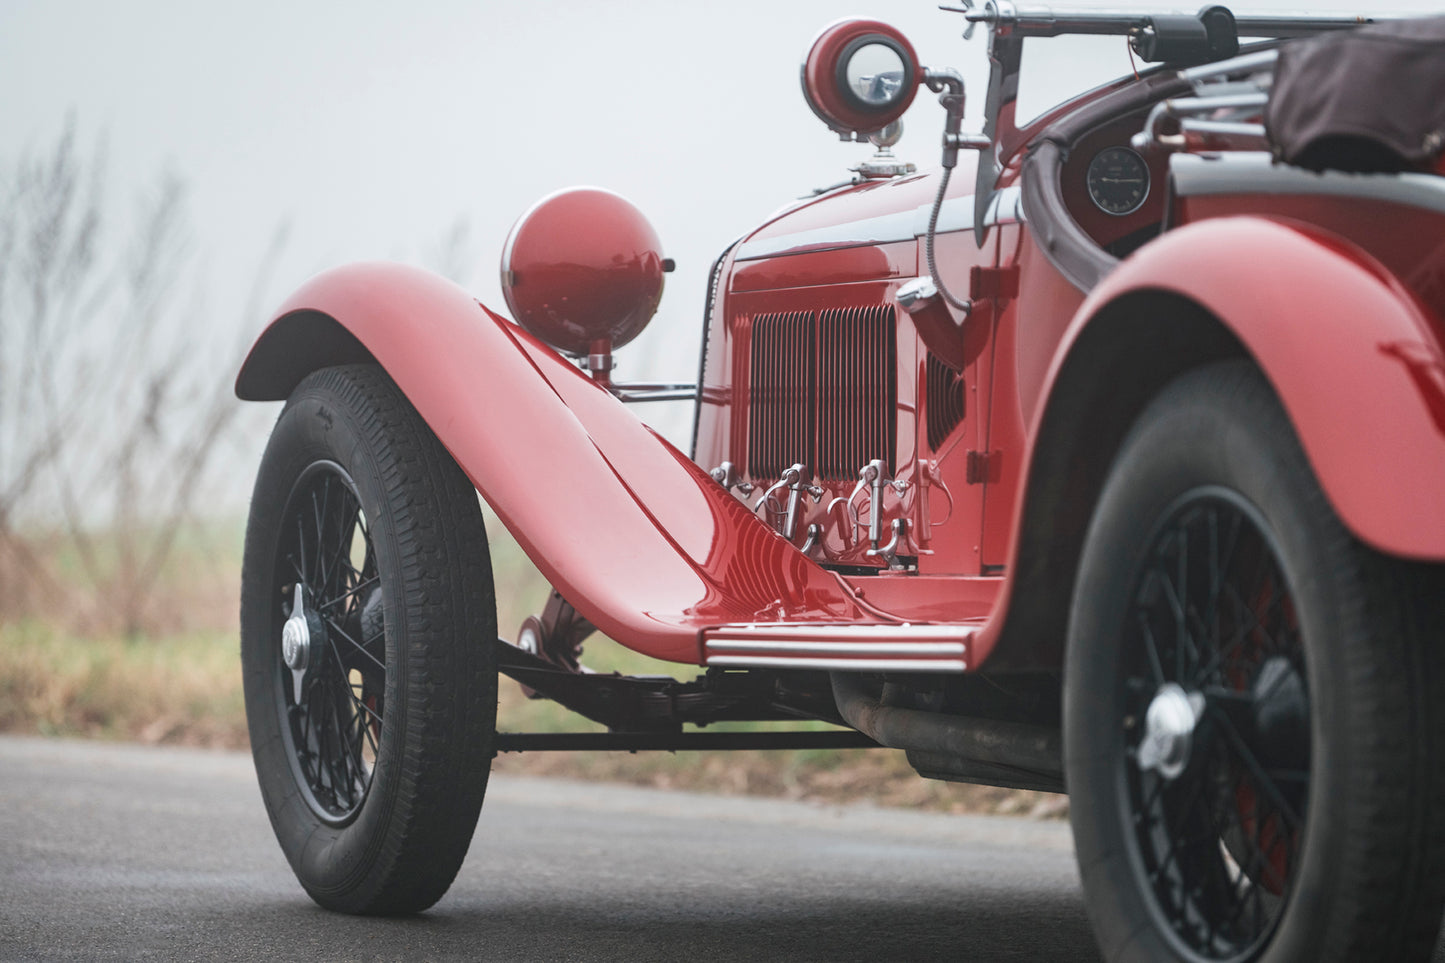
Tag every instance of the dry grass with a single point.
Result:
(45, 578)
(175, 689)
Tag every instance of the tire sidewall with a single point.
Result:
(1182, 444)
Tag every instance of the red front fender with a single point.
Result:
(636, 536)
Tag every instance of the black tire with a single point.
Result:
(1290, 807)
(373, 777)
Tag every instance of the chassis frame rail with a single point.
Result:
(679, 741)
(661, 704)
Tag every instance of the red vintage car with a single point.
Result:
(1113, 464)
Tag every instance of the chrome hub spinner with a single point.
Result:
(296, 640)
(296, 637)
(1169, 730)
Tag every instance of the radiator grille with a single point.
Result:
(858, 391)
(945, 400)
(823, 390)
(782, 392)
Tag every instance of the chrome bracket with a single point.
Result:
(726, 475)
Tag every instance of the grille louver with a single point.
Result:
(823, 390)
(945, 400)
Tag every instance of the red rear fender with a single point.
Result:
(635, 535)
(1353, 355)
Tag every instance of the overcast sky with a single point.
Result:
(373, 128)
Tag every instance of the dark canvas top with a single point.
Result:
(1366, 99)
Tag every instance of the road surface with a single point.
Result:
(126, 852)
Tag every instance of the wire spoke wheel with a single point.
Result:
(1218, 792)
(333, 703)
(1252, 702)
(367, 620)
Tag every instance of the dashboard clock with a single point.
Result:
(1118, 180)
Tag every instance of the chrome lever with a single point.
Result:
(867, 475)
(815, 535)
(797, 490)
(889, 552)
(873, 479)
(793, 479)
(787, 480)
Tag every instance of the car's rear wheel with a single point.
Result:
(1254, 702)
(367, 629)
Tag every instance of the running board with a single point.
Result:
(836, 647)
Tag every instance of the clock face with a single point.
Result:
(1118, 180)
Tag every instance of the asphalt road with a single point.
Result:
(116, 852)
(126, 852)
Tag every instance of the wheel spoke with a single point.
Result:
(338, 558)
(351, 593)
(1151, 648)
(1176, 611)
(358, 647)
(319, 567)
(349, 689)
(1262, 780)
(301, 548)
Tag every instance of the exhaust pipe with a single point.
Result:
(956, 748)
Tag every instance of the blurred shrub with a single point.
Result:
(115, 395)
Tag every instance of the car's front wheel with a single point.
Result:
(368, 625)
(1254, 702)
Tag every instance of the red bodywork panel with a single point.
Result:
(570, 472)
(660, 557)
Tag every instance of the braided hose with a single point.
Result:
(964, 304)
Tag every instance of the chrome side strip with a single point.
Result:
(844, 648)
(839, 665)
(837, 648)
(843, 633)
